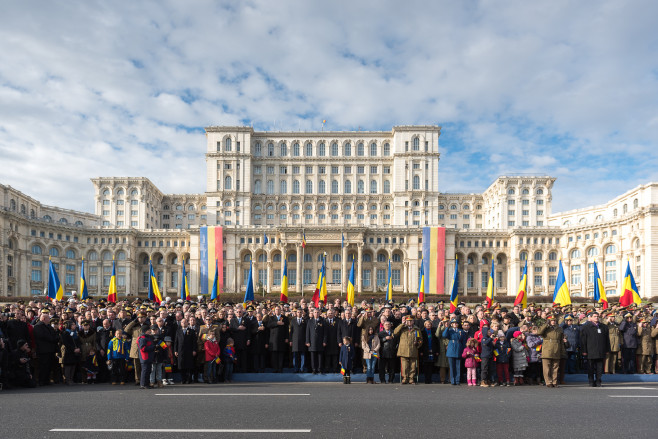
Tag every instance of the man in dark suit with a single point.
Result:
(279, 333)
(347, 327)
(298, 341)
(46, 339)
(594, 345)
(332, 349)
(241, 330)
(316, 340)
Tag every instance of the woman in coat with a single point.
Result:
(519, 357)
(455, 337)
(185, 347)
(370, 344)
(71, 350)
(442, 359)
(429, 351)
(534, 343)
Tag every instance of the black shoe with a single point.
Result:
(592, 384)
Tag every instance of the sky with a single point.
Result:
(561, 88)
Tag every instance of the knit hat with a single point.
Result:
(517, 334)
(501, 334)
(20, 343)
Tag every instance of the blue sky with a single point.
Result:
(561, 88)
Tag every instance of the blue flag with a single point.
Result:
(265, 240)
(249, 293)
(214, 294)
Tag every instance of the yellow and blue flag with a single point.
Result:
(55, 289)
(303, 239)
(561, 295)
(84, 292)
(184, 287)
(421, 282)
(522, 295)
(214, 294)
(284, 282)
(112, 291)
(454, 288)
(490, 286)
(630, 293)
(350, 286)
(599, 291)
(249, 292)
(154, 290)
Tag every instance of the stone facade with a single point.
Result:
(375, 189)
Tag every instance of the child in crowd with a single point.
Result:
(534, 344)
(345, 359)
(228, 358)
(519, 356)
(213, 353)
(159, 360)
(486, 355)
(470, 351)
(502, 350)
(118, 351)
(168, 376)
(91, 365)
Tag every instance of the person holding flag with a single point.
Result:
(112, 291)
(55, 289)
(491, 285)
(284, 282)
(522, 295)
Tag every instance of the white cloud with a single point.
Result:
(564, 88)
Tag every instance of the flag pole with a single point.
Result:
(302, 273)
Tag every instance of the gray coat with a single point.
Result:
(519, 355)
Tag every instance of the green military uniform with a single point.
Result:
(551, 352)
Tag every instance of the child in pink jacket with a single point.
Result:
(470, 354)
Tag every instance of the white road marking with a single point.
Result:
(232, 394)
(622, 388)
(633, 396)
(177, 430)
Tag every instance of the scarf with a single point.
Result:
(117, 346)
(429, 340)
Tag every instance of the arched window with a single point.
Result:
(283, 187)
(320, 255)
(257, 188)
(334, 149)
(387, 187)
(592, 251)
(321, 149)
(367, 257)
(360, 188)
(270, 149)
(610, 249)
(552, 256)
(625, 208)
(121, 255)
(93, 256)
(373, 149)
(292, 258)
(525, 191)
(276, 257)
(636, 203)
(295, 187)
(347, 150)
(348, 187)
(387, 149)
(309, 149)
(295, 149)
(309, 187)
(107, 256)
(523, 256)
(106, 192)
(284, 149)
(228, 183)
(396, 257)
(575, 253)
(262, 257)
(247, 257)
(416, 144)
(48, 218)
(360, 150)
(416, 185)
(334, 186)
(257, 149)
(538, 256)
(134, 192)
(227, 144)
(336, 257)
(70, 254)
(540, 191)
(321, 187)
(373, 186)
(510, 191)
(54, 252)
(37, 250)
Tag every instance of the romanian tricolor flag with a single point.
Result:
(218, 360)
(154, 290)
(389, 287)
(454, 288)
(629, 291)
(342, 371)
(168, 368)
(561, 295)
(350, 286)
(303, 239)
(84, 292)
(421, 282)
(434, 259)
(214, 293)
(599, 292)
(112, 291)
(211, 249)
(490, 286)
(55, 289)
(249, 292)
(284, 282)
(320, 294)
(522, 295)
(184, 286)
(163, 345)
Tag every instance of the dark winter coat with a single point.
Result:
(331, 328)
(279, 333)
(346, 357)
(185, 344)
(46, 338)
(629, 332)
(572, 333)
(387, 348)
(298, 334)
(504, 350)
(70, 343)
(594, 341)
(316, 334)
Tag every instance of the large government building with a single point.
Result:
(367, 196)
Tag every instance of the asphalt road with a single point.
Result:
(334, 410)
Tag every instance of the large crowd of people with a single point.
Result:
(88, 342)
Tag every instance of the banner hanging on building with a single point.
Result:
(434, 256)
(211, 248)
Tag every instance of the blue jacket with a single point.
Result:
(346, 356)
(504, 349)
(122, 351)
(456, 342)
(572, 333)
(487, 344)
